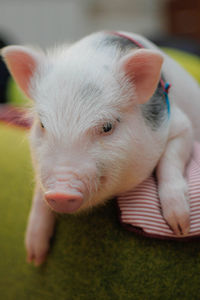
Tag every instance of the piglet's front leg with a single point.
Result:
(40, 229)
(172, 186)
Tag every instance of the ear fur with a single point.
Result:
(143, 68)
(22, 63)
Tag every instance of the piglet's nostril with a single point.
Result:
(71, 200)
(51, 201)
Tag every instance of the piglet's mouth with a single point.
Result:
(64, 202)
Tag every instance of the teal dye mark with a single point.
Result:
(166, 90)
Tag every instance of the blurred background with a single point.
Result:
(47, 22)
(172, 23)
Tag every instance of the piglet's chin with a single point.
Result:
(64, 202)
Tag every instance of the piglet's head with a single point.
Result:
(84, 147)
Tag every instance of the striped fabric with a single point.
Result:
(140, 209)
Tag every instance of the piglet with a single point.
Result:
(104, 120)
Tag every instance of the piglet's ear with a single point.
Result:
(143, 68)
(22, 63)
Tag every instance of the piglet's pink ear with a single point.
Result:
(22, 63)
(143, 68)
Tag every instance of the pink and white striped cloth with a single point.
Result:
(140, 209)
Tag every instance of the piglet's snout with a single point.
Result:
(65, 202)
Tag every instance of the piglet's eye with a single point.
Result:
(107, 128)
(41, 125)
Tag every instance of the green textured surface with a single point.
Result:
(92, 257)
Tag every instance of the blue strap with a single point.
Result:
(167, 86)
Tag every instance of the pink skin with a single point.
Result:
(64, 202)
(66, 189)
(39, 230)
(63, 190)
